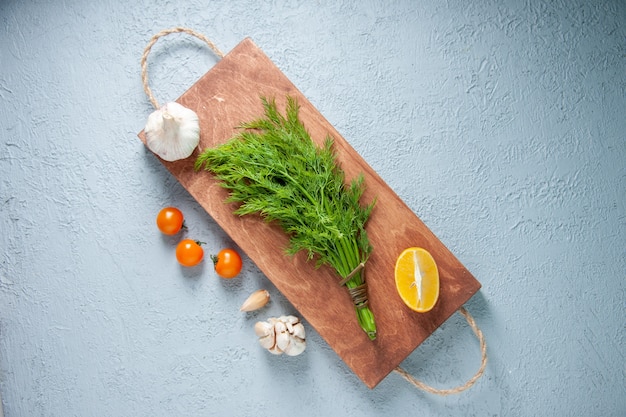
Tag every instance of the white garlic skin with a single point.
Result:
(280, 335)
(256, 300)
(172, 132)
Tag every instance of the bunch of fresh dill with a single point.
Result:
(273, 168)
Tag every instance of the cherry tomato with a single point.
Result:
(170, 220)
(227, 263)
(189, 252)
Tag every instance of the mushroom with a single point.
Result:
(284, 334)
(172, 132)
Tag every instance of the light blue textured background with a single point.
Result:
(502, 124)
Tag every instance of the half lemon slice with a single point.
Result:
(417, 279)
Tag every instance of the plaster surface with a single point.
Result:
(500, 123)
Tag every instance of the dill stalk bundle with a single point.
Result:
(273, 168)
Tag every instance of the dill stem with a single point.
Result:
(350, 259)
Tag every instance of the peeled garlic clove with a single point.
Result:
(282, 341)
(172, 132)
(280, 327)
(275, 350)
(282, 335)
(290, 319)
(268, 342)
(296, 347)
(256, 300)
(297, 336)
(263, 328)
(298, 331)
(267, 336)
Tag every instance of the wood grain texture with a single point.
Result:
(230, 94)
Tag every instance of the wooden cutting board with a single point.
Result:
(228, 95)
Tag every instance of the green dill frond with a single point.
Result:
(272, 168)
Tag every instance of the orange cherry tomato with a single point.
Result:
(227, 263)
(170, 220)
(189, 252)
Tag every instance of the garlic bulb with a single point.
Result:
(256, 300)
(172, 132)
(284, 334)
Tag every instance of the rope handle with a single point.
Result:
(483, 364)
(153, 40)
